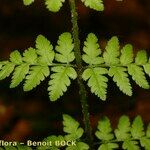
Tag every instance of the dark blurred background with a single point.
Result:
(31, 115)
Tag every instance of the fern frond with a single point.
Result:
(44, 50)
(16, 58)
(94, 4)
(141, 58)
(28, 66)
(6, 70)
(60, 81)
(65, 48)
(104, 130)
(137, 129)
(73, 133)
(112, 51)
(126, 55)
(30, 56)
(121, 78)
(138, 75)
(120, 65)
(71, 127)
(35, 65)
(54, 5)
(104, 133)
(21, 70)
(36, 75)
(92, 50)
(19, 74)
(130, 137)
(96, 81)
(28, 2)
(123, 130)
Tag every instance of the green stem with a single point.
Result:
(82, 90)
(74, 18)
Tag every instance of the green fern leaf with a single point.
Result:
(30, 56)
(19, 74)
(27, 2)
(92, 50)
(45, 50)
(138, 76)
(94, 4)
(126, 55)
(60, 81)
(96, 81)
(6, 70)
(121, 78)
(15, 57)
(130, 145)
(145, 142)
(71, 127)
(36, 75)
(112, 51)
(65, 48)
(137, 129)
(104, 130)
(54, 5)
(123, 130)
(141, 58)
(108, 146)
(78, 146)
(52, 146)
